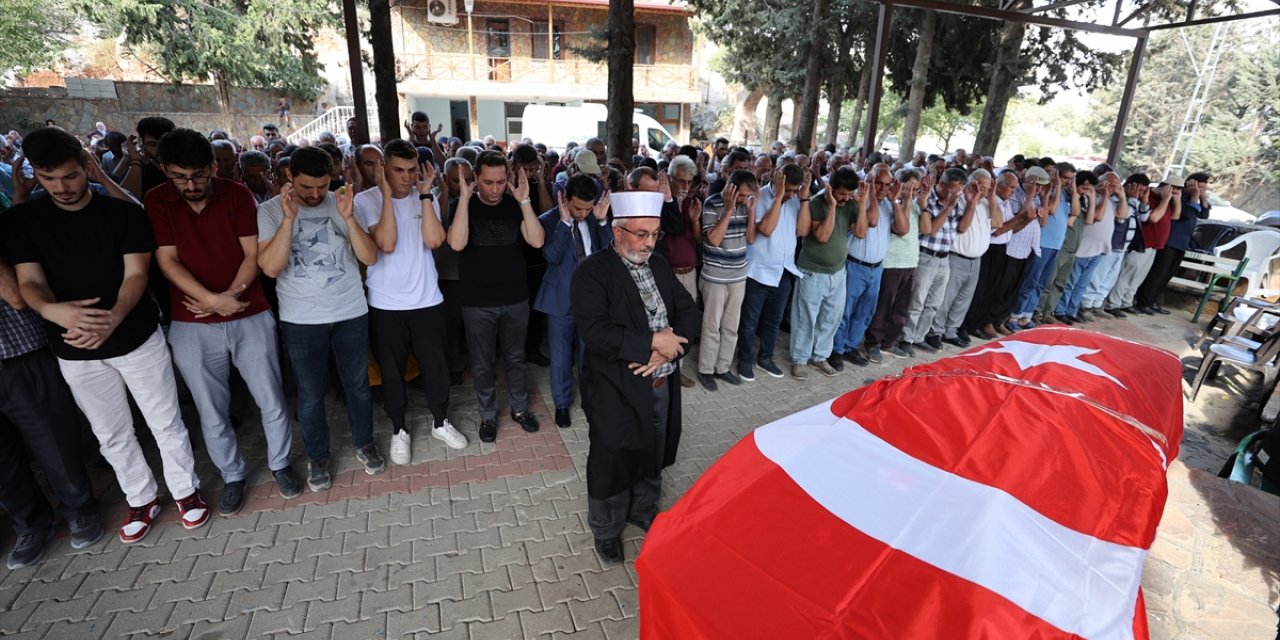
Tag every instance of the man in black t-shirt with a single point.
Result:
(489, 229)
(81, 261)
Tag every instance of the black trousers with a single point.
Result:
(36, 409)
(536, 332)
(609, 516)
(396, 334)
(454, 337)
(1162, 270)
(999, 282)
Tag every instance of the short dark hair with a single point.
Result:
(793, 174)
(689, 151)
(954, 174)
(847, 178)
(1086, 176)
(115, 137)
(582, 187)
(311, 161)
(51, 147)
(633, 178)
(419, 116)
(1065, 167)
(155, 127)
(333, 151)
(270, 126)
(524, 154)
(1046, 162)
(185, 148)
(1102, 168)
(1199, 176)
(648, 162)
(491, 159)
(1139, 178)
(720, 140)
(399, 148)
(830, 147)
(735, 156)
(282, 164)
(743, 178)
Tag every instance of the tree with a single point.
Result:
(247, 43)
(32, 35)
(808, 107)
(384, 70)
(621, 58)
(919, 84)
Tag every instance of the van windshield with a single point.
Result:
(658, 139)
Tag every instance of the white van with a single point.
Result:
(558, 126)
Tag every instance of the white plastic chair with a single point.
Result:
(1259, 247)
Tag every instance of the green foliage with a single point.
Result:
(248, 43)
(1238, 140)
(32, 33)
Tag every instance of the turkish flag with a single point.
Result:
(1011, 491)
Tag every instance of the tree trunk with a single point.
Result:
(795, 119)
(864, 87)
(744, 119)
(772, 118)
(384, 70)
(919, 80)
(835, 104)
(223, 87)
(621, 58)
(808, 107)
(1005, 76)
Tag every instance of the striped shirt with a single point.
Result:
(655, 308)
(726, 263)
(942, 239)
(21, 331)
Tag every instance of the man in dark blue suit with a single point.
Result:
(576, 228)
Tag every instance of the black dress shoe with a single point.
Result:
(526, 420)
(610, 551)
(642, 523)
(1144, 310)
(1160, 310)
(955, 342)
(708, 381)
(562, 417)
(1119, 313)
(232, 498)
(836, 361)
(1064, 319)
(287, 482)
(536, 357)
(856, 356)
(488, 430)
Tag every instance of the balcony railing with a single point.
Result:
(459, 67)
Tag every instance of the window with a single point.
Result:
(646, 44)
(498, 37)
(658, 139)
(538, 36)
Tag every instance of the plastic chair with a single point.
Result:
(1259, 247)
(1258, 317)
(1242, 353)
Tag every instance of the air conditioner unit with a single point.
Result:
(442, 12)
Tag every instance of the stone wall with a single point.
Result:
(193, 106)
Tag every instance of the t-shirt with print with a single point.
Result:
(208, 243)
(82, 256)
(406, 278)
(320, 282)
(491, 268)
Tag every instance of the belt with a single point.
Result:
(682, 270)
(660, 382)
(956, 255)
(869, 265)
(6, 362)
(936, 254)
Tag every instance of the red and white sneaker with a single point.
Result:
(194, 512)
(138, 522)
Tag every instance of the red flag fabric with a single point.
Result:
(1011, 491)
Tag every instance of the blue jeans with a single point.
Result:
(815, 315)
(762, 309)
(861, 290)
(1038, 275)
(1081, 274)
(566, 349)
(308, 346)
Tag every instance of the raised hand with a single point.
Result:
(806, 186)
(426, 177)
(133, 151)
(779, 183)
(465, 189)
(695, 211)
(729, 196)
(563, 206)
(601, 208)
(94, 168)
(664, 186)
(519, 188)
(830, 197)
(346, 202)
(288, 201)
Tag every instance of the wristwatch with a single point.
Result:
(426, 196)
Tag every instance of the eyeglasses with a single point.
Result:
(645, 235)
(198, 179)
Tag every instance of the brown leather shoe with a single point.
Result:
(1002, 330)
(988, 331)
(686, 381)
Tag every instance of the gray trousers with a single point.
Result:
(609, 516)
(491, 330)
(204, 354)
(961, 283)
(1132, 272)
(931, 286)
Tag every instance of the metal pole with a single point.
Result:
(551, 43)
(471, 47)
(1126, 101)
(877, 76)
(357, 71)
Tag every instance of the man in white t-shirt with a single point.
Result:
(309, 240)
(406, 308)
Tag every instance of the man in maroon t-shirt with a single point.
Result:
(1165, 202)
(207, 235)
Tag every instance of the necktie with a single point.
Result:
(579, 249)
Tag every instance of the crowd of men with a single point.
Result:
(464, 255)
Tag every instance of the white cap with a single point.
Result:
(636, 204)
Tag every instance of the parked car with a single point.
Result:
(1222, 210)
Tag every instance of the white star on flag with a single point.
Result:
(1032, 354)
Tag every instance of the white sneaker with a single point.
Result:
(449, 435)
(400, 452)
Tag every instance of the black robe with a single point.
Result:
(613, 323)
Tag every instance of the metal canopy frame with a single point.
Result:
(1033, 15)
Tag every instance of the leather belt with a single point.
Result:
(660, 382)
(682, 270)
(869, 265)
(965, 257)
(936, 254)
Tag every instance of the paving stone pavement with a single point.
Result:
(491, 542)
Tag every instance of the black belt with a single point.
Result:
(8, 362)
(960, 256)
(936, 254)
(869, 265)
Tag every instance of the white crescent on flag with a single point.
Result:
(977, 496)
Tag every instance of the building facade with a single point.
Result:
(476, 70)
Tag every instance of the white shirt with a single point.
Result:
(977, 238)
(406, 278)
(770, 255)
(585, 232)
